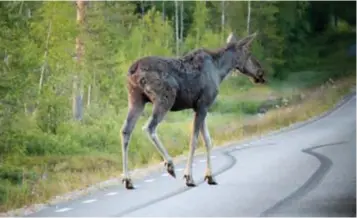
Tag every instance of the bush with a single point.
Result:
(16, 175)
(46, 144)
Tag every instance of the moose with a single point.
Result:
(191, 81)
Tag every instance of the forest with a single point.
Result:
(63, 97)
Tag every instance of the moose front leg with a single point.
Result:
(208, 144)
(200, 116)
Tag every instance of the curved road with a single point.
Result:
(305, 171)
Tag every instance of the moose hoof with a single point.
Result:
(128, 183)
(170, 168)
(189, 181)
(210, 180)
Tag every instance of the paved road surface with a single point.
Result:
(307, 171)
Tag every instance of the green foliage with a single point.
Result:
(236, 106)
(198, 28)
(300, 45)
(16, 175)
(157, 35)
(269, 38)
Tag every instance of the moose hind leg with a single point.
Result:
(208, 144)
(159, 112)
(129, 124)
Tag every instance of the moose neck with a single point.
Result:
(223, 60)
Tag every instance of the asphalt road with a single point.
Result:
(306, 171)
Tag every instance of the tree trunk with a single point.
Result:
(163, 10)
(223, 19)
(77, 93)
(142, 9)
(181, 22)
(89, 95)
(45, 58)
(21, 6)
(177, 28)
(29, 14)
(248, 18)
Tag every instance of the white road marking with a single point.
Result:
(203, 160)
(180, 169)
(63, 210)
(89, 201)
(149, 180)
(111, 193)
(213, 157)
(165, 175)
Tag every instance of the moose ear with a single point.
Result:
(231, 38)
(247, 41)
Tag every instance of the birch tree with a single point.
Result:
(223, 16)
(181, 22)
(177, 28)
(77, 93)
(248, 18)
(163, 10)
(45, 58)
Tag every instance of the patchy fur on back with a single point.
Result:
(190, 63)
(191, 79)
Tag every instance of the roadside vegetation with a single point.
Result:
(59, 134)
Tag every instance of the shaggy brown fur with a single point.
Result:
(189, 82)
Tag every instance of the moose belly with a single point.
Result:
(181, 104)
(187, 100)
(184, 100)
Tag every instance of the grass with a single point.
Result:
(317, 101)
(87, 155)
